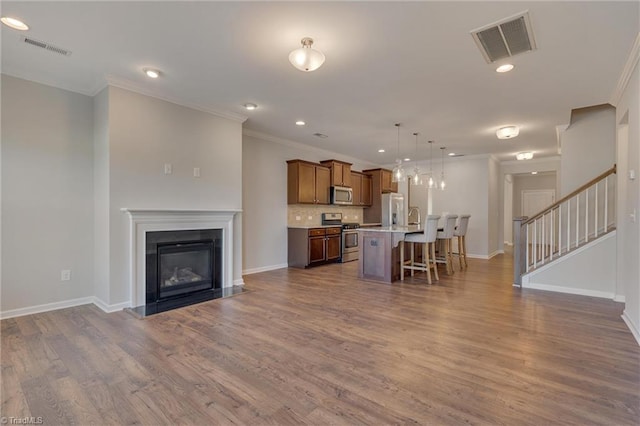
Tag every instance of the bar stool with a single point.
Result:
(445, 238)
(460, 232)
(428, 238)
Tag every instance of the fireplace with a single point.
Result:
(182, 267)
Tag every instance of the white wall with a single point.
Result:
(264, 170)
(101, 194)
(467, 191)
(628, 157)
(144, 134)
(587, 271)
(507, 225)
(47, 194)
(588, 146)
(495, 208)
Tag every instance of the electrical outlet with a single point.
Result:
(356, 216)
(309, 217)
(196, 172)
(65, 275)
(168, 169)
(298, 217)
(346, 217)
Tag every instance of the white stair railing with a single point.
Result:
(569, 223)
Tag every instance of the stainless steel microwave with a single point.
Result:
(341, 195)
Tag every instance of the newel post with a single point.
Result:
(519, 249)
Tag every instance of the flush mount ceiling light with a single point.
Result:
(505, 68)
(534, 173)
(524, 156)
(381, 150)
(306, 58)
(300, 123)
(451, 154)
(151, 73)
(250, 107)
(14, 23)
(507, 132)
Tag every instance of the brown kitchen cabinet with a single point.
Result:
(340, 172)
(382, 180)
(307, 183)
(314, 246)
(380, 183)
(361, 185)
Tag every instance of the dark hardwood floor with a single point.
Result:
(322, 347)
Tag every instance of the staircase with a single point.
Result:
(572, 223)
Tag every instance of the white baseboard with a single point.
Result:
(264, 269)
(12, 313)
(619, 298)
(632, 327)
(484, 256)
(508, 243)
(111, 308)
(569, 290)
(238, 282)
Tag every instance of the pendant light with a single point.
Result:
(306, 58)
(442, 182)
(431, 183)
(398, 173)
(416, 179)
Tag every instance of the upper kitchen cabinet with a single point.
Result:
(307, 183)
(382, 180)
(361, 185)
(340, 172)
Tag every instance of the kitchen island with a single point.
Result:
(379, 252)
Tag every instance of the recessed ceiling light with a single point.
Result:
(300, 123)
(151, 73)
(504, 68)
(524, 156)
(407, 159)
(452, 154)
(14, 23)
(250, 107)
(381, 150)
(507, 132)
(534, 173)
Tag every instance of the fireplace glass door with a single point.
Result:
(184, 268)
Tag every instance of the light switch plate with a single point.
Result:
(196, 172)
(168, 169)
(632, 174)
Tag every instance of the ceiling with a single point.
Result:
(386, 62)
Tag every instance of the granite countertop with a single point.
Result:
(394, 229)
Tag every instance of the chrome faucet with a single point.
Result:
(416, 209)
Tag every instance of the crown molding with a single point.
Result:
(133, 87)
(627, 71)
(293, 144)
(537, 160)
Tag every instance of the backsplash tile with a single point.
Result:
(309, 215)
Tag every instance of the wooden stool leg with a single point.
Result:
(433, 259)
(401, 260)
(464, 249)
(412, 258)
(460, 251)
(425, 260)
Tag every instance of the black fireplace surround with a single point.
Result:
(182, 268)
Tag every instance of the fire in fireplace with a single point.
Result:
(182, 268)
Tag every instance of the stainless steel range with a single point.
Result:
(350, 247)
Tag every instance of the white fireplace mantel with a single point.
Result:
(142, 221)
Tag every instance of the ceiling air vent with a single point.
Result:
(505, 38)
(46, 46)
